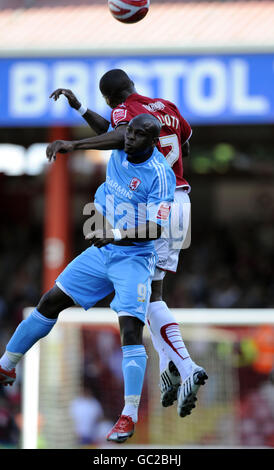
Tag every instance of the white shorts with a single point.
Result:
(168, 249)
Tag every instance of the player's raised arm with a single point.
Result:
(107, 141)
(96, 122)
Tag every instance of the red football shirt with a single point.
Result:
(175, 129)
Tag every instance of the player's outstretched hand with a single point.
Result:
(99, 239)
(61, 146)
(73, 101)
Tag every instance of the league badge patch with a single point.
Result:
(163, 211)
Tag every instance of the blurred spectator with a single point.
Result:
(87, 414)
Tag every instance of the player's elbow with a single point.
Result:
(103, 128)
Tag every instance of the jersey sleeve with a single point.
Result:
(161, 195)
(121, 115)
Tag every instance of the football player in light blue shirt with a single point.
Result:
(134, 202)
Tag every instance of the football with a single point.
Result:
(128, 11)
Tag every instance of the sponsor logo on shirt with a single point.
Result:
(135, 182)
(119, 115)
(163, 211)
(117, 188)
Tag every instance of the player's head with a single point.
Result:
(142, 132)
(115, 85)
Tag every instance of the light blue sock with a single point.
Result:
(30, 330)
(133, 366)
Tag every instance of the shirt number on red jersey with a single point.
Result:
(171, 141)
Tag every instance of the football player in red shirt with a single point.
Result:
(180, 377)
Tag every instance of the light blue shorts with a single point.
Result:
(95, 273)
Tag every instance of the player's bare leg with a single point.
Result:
(176, 364)
(38, 324)
(134, 365)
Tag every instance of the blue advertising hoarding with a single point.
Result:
(208, 89)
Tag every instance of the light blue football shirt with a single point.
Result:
(134, 193)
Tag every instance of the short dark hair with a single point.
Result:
(114, 82)
(150, 122)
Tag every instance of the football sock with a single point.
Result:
(30, 330)
(133, 366)
(9, 360)
(163, 359)
(168, 337)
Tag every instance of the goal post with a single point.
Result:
(52, 376)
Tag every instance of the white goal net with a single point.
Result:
(84, 348)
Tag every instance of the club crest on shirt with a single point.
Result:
(163, 211)
(135, 182)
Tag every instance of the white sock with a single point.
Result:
(9, 360)
(167, 333)
(163, 359)
(131, 407)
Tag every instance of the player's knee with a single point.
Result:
(53, 302)
(47, 307)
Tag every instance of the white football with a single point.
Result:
(128, 11)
